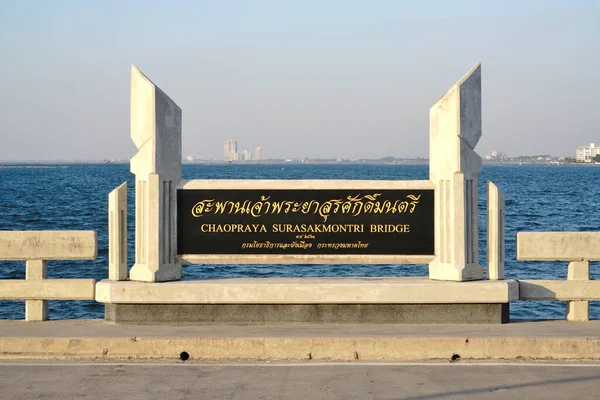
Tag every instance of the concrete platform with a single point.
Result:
(401, 290)
(99, 340)
(308, 300)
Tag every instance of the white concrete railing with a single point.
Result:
(579, 248)
(36, 248)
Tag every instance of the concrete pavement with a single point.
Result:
(299, 381)
(99, 340)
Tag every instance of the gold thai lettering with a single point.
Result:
(277, 207)
(349, 203)
(220, 207)
(353, 205)
(201, 207)
(357, 208)
(403, 206)
(329, 207)
(270, 245)
(337, 246)
(414, 202)
(307, 205)
(256, 210)
(288, 205)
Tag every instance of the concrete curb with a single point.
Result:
(300, 348)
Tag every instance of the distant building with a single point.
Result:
(586, 153)
(230, 150)
(246, 155)
(496, 156)
(258, 154)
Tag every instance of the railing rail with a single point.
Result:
(36, 248)
(579, 248)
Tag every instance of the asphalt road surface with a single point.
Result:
(459, 380)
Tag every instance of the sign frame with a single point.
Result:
(260, 184)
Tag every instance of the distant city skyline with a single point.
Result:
(305, 79)
(231, 152)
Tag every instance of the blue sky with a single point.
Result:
(299, 79)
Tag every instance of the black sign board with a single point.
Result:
(273, 221)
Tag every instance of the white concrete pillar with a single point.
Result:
(156, 132)
(578, 310)
(117, 233)
(455, 129)
(36, 310)
(495, 233)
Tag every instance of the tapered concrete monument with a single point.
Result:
(455, 129)
(156, 132)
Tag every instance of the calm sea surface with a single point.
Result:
(74, 197)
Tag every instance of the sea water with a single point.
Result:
(75, 197)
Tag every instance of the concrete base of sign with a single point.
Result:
(308, 300)
(262, 314)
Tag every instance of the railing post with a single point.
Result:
(495, 233)
(578, 310)
(117, 234)
(36, 310)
